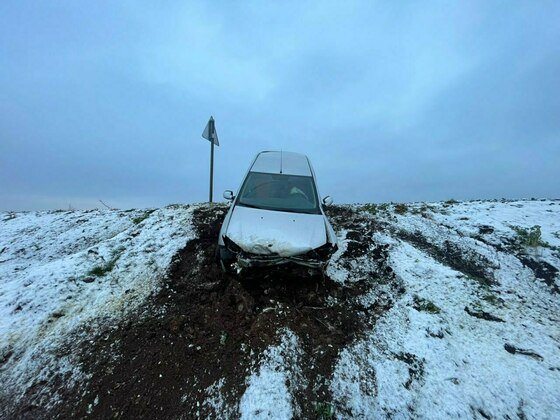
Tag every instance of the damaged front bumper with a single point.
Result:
(271, 260)
(317, 258)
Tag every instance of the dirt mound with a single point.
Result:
(205, 326)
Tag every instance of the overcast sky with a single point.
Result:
(392, 101)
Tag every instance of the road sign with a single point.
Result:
(210, 132)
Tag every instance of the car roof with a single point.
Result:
(289, 163)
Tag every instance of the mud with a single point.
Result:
(485, 229)
(516, 350)
(483, 315)
(205, 326)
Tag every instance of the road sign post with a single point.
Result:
(211, 134)
(211, 172)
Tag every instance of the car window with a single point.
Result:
(279, 192)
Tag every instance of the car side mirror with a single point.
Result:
(327, 201)
(228, 195)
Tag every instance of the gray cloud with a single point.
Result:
(391, 102)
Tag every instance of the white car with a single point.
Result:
(277, 217)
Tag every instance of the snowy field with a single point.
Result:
(61, 270)
(465, 259)
(454, 310)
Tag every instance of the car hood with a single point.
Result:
(267, 232)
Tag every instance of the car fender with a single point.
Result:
(225, 225)
(331, 234)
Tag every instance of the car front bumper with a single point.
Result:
(265, 261)
(245, 259)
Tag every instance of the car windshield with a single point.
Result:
(280, 192)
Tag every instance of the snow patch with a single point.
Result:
(269, 391)
(336, 270)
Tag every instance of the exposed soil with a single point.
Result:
(516, 350)
(542, 270)
(485, 229)
(204, 326)
(482, 315)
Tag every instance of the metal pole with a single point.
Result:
(211, 130)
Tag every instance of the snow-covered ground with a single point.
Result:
(465, 307)
(476, 333)
(432, 355)
(61, 270)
